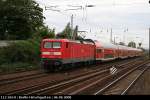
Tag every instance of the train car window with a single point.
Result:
(99, 50)
(56, 44)
(48, 45)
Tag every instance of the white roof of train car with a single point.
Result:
(114, 46)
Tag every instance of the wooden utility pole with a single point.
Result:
(72, 26)
(75, 33)
(114, 40)
(111, 35)
(149, 43)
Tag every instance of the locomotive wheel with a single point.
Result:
(85, 63)
(58, 68)
(45, 69)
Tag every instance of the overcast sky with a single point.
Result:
(129, 19)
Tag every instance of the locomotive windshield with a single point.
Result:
(48, 45)
(56, 44)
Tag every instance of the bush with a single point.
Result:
(21, 51)
(18, 66)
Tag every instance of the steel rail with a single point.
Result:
(122, 76)
(65, 83)
(133, 82)
(46, 83)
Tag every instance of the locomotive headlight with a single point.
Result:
(51, 53)
(45, 53)
(57, 53)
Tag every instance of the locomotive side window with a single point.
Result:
(48, 45)
(66, 45)
(56, 44)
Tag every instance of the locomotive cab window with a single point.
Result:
(48, 45)
(56, 44)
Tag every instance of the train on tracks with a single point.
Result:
(57, 53)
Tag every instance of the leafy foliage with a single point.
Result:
(66, 33)
(132, 44)
(45, 32)
(23, 51)
(19, 19)
(140, 44)
(121, 43)
(18, 66)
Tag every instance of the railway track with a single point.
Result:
(134, 81)
(82, 87)
(21, 78)
(78, 88)
(27, 76)
(37, 89)
(118, 86)
(20, 71)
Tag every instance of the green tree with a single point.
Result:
(121, 43)
(140, 44)
(75, 32)
(45, 32)
(19, 19)
(66, 33)
(132, 44)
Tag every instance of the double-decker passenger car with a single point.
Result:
(55, 53)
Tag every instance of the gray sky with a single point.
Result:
(129, 19)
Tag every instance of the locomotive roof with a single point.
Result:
(65, 40)
(101, 44)
(69, 40)
(129, 48)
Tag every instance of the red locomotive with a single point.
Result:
(58, 52)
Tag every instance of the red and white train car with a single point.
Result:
(107, 51)
(58, 52)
